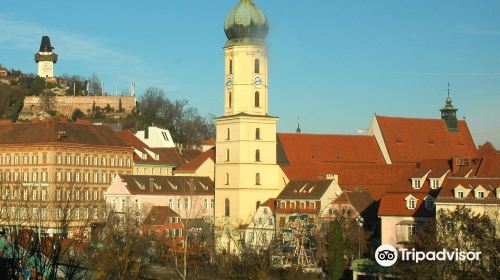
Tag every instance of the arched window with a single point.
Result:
(257, 133)
(228, 134)
(230, 66)
(257, 99)
(227, 179)
(257, 66)
(227, 154)
(257, 155)
(229, 100)
(227, 208)
(257, 178)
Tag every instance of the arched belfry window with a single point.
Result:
(257, 133)
(227, 208)
(230, 66)
(257, 178)
(257, 155)
(229, 100)
(257, 99)
(257, 66)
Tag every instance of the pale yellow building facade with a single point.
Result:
(246, 173)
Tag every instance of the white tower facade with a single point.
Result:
(246, 173)
(46, 58)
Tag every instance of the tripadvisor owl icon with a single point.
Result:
(386, 255)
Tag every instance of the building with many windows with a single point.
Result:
(190, 197)
(52, 172)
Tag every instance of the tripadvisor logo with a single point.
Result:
(386, 255)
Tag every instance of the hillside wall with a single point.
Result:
(66, 105)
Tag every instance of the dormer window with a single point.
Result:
(416, 183)
(434, 184)
(480, 194)
(459, 194)
(411, 203)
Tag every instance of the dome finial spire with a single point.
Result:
(298, 125)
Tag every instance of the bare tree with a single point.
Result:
(95, 86)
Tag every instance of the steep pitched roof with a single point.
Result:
(271, 203)
(447, 191)
(305, 189)
(394, 204)
(361, 201)
(196, 162)
(59, 132)
(489, 164)
(302, 156)
(415, 139)
(168, 185)
(158, 215)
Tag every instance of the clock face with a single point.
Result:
(258, 81)
(47, 67)
(229, 81)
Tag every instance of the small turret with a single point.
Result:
(449, 114)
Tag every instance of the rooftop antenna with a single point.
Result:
(132, 89)
(448, 89)
(298, 125)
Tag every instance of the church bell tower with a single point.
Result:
(246, 172)
(45, 58)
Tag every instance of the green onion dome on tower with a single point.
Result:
(246, 24)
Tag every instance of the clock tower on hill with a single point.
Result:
(246, 172)
(45, 58)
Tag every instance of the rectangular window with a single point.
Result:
(77, 195)
(205, 203)
(96, 177)
(35, 159)
(416, 183)
(87, 193)
(68, 160)
(26, 159)
(68, 176)
(58, 176)
(179, 203)
(68, 195)
(480, 194)
(77, 160)
(34, 176)
(34, 195)
(25, 194)
(434, 183)
(44, 176)
(212, 203)
(44, 195)
(77, 177)
(95, 195)
(58, 159)
(170, 203)
(460, 194)
(25, 176)
(58, 195)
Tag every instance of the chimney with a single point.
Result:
(146, 133)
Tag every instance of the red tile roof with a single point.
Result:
(414, 139)
(447, 193)
(64, 132)
(196, 162)
(489, 164)
(271, 203)
(158, 215)
(394, 204)
(307, 156)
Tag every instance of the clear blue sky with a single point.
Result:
(334, 63)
